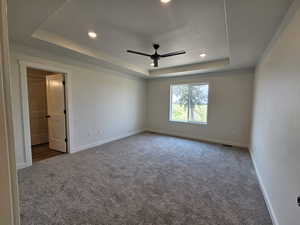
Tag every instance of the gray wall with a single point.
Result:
(276, 121)
(105, 104)
(229, 110)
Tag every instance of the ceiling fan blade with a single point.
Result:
(173, 54)
(138, 53)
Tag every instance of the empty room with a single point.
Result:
(149, 112)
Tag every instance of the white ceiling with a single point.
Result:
(233, 33)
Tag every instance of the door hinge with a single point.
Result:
(66, 139)
(64, 83)
(65, 111)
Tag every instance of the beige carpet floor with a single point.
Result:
(145, 179)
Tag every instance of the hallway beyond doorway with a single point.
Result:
(42, 152)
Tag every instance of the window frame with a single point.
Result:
(188, 121)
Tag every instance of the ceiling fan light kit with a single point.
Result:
(156, 57)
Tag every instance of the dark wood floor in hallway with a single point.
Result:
(42, 152)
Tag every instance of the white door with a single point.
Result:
(56, 112)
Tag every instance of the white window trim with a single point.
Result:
(188, 122)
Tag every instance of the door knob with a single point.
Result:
(48, 116)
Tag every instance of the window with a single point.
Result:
(189, 103)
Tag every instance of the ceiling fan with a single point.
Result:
(155, 57)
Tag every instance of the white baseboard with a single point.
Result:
(200, 139)
(104, 141)
(22, 165)
(264, 191)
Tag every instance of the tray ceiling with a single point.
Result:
(218, 28)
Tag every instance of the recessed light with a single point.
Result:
(165, 1)
(202, 55)
(92, 34)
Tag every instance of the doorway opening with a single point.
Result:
(47, 113)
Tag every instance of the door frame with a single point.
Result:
(9, 207)
(25, 105)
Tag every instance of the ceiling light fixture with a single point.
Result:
(152, 64)
(92, 34)
(203, 55)
(165, 1)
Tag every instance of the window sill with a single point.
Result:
(189, 122)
